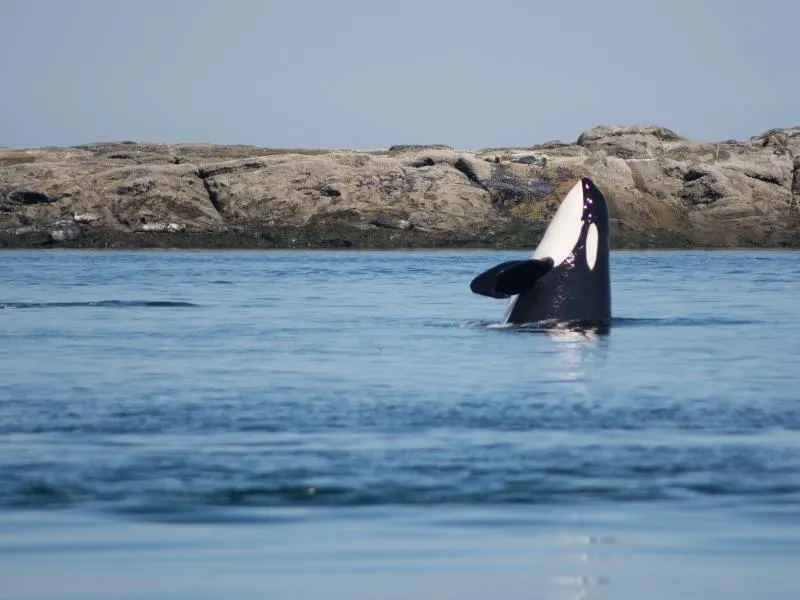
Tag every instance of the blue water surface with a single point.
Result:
(289, 424)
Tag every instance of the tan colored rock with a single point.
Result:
(294, 189)
(638, 141)
(661, 187)
(161, 193)
(780, 142)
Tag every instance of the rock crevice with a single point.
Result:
(210, 191)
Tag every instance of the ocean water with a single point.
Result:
(287, 424)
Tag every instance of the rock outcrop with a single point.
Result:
(664, 191)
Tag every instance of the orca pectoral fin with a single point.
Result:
(510, 278)
(518, 278)
(485, 284)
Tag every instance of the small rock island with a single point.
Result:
(664, 191)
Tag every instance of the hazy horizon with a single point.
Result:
(356, 74)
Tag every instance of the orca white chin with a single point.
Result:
(564, 230)
(567, 278)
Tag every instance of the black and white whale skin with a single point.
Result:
(567, 279)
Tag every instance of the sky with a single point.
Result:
(372, 73)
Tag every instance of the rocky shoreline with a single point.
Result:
(665, 191)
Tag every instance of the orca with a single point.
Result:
(567, 279)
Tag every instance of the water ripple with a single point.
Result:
(98, 304)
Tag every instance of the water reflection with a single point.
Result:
(586, 584)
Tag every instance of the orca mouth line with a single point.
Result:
(99, 304)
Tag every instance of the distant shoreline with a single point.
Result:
(665, 192)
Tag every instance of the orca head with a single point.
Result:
(577, 288)
(581, 225)
(567, 279)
